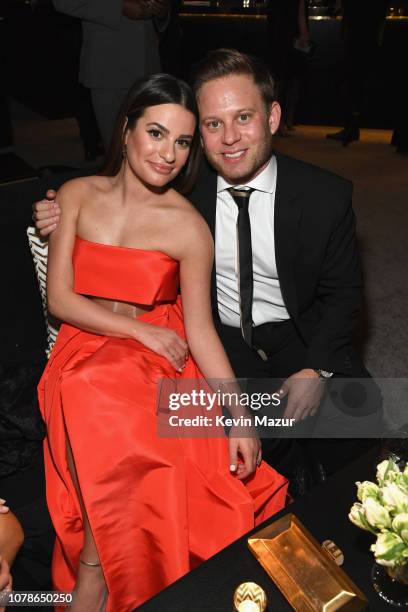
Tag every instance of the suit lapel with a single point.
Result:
(286, 225)
(204, 197)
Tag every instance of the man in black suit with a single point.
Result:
(306, 274)
(289, 311)
(306, 267)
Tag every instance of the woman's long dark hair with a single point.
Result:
(152, 91)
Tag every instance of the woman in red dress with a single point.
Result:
(134, 511)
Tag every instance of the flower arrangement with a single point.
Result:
(383, 510)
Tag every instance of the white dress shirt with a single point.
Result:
(268, 305)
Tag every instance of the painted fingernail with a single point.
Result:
(4, 509)
(233, 467)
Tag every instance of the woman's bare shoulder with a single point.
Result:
(184, 208)
(74, 192)
(194, 229)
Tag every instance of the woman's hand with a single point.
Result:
(164, 342)
(249, 448)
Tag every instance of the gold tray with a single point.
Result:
(307, 577)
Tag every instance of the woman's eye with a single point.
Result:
(184, 143)
(155, 133)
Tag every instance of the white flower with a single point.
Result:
(367, 489)
(384, 509)
(400, 525)
(388, 549)
(357, 516)
(394, 498)
(376, 514)
(387, 470)
(402, 481)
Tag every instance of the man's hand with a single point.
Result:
(46, 213)
(136, 9)
(159, 8)
(145, 9)
(305, 391)
(250, 450)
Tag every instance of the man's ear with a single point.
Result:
(274, 117)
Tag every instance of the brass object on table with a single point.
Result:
(307, 577)
(250, 597)
(334, 552)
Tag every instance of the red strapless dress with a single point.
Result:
(157, 506)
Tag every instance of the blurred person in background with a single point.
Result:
(363, 27)
(289, 44)
(400, 97)
(120, 44)
(171, 43)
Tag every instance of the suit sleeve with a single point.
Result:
(103, 12)
(338, 293)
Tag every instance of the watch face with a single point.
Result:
(325, 374)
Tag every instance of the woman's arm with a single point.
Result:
(203, 341)
(195, 274)
(82, 312)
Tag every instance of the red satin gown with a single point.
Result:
(157, 506)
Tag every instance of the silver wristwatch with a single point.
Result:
(324, 374)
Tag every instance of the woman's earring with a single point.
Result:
(124, 152)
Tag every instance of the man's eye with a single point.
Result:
(244, 117)
(155, 133)
(213, 124)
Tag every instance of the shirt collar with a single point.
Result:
(265, 181)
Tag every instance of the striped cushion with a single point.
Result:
(39, 251)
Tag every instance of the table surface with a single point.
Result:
(323, 511)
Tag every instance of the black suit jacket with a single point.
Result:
(316, 257)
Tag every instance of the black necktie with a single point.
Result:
(246, 279)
